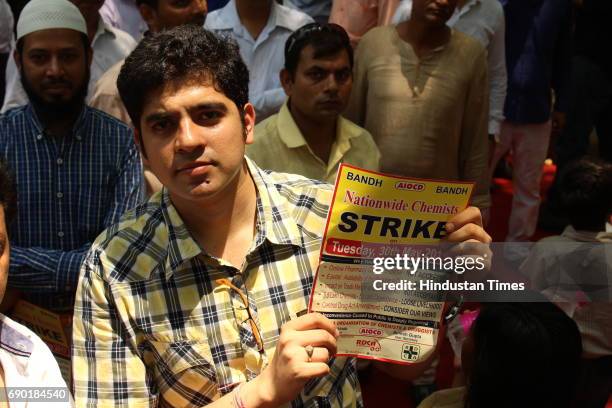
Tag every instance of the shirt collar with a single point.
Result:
(77, 128)
(102, 30)
(586, 236)
(291, 135)
(288, 130)
(18, 345)
(275, 222)
(228, 18)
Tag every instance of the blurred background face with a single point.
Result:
(54, 69)
(435, 12)
(173, 13)
(4, 253)
(321, 86)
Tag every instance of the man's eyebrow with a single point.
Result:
(218, 106)
(155, 116)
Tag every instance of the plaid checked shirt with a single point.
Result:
(69, 190)
(152, 326)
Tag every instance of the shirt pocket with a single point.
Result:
(184, 373)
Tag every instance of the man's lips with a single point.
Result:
(195, 168)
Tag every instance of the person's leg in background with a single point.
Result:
(530, 145)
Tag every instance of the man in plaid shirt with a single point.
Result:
(198, 296)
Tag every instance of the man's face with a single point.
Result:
(4, 253)
(54, 68)
(434, 12)
(194, 139)
(173, 13)
(321, 86)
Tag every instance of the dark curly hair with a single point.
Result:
(586, 193)
(184, 53)
(8, 193)
(526, 355)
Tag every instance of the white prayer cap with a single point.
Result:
(40, 15)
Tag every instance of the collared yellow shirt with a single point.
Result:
(153, 327)
(280, 146)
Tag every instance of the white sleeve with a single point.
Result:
(14, 95)
(498, 77)
(404, 9)
(6, 27)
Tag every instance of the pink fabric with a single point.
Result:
(529, 145)
(359, 16)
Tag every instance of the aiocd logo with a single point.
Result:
(373, 344)
(407, 185)
(371, 332)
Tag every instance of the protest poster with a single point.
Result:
(375, 218)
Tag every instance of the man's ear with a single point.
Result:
(149, 15)
(286, 80)
(138, 141)
(249, 123)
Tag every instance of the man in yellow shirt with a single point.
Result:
(309, 136)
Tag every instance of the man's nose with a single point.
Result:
(54, 67)
(187, 138)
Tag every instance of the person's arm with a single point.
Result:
(46, 270)
(107, 370)
(474, 145)
(129, 185)
(498, 76)
(386, 10)
(561, 74)
(268, 103)
(403, 12)
(356, 108)
(3, 60)
(14, 95)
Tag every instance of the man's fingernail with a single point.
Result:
(450, 227)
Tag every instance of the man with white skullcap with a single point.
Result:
(109, 46)
(77, 169)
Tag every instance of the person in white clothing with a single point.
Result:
(261, 28)
(124, 15)
(26, 363)
(484, 21)
(109, 45)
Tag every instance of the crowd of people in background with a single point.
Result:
(166, 170)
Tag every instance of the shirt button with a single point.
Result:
(38, 137)
(60, 234)
(60, 195)
(60, 161)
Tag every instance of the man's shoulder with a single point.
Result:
(107, 83)
(467, 45)
(110, 123)
(136, 235)
(122, 39)
(290, 18)
(266, 129)
(378, 40)
(303, 196)
(219, 19)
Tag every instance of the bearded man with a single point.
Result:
(76, 168)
